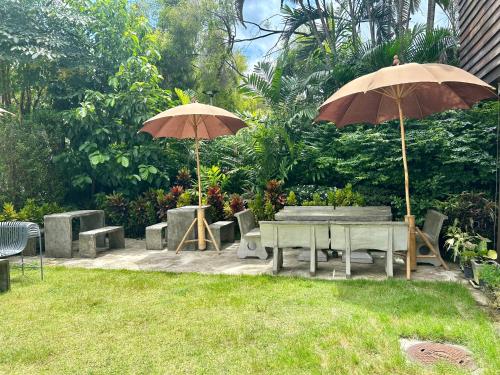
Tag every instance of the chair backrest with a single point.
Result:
(433, 223)
(246, 221)
(295, 234)
(13, 237)
(369, 235)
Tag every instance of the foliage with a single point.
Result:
(316, 201)
(183, 178)
(490, 275)
(26, 166)
(212, 176)
(31, 211)
(291, 199)
(185, 199)
(215, 198)
(235, 204)
(473, 210)
(257, 206)
(464, 244)
(141, 214)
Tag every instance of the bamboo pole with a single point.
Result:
(409, 218)
(202, 244)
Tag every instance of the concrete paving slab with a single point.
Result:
(135, 257)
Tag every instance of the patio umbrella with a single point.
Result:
(408, 90)
(198, 121)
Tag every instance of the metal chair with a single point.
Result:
(14, 237)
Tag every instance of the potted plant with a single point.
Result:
(484, 256)
(464, 246)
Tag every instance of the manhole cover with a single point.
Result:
(429, 353)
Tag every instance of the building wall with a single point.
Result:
(479, 29)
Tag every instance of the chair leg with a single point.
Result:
(22, 262)
(388, 263)
(276, 260)
(41, 257)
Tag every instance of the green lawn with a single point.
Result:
(117, 322)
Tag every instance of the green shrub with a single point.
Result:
(141, 215)
(234, 205)
(475, 212)
(345, 197)
(9, 212)
(257, 206)
(316, 201)
(490, 275)
(291, 199)
(184, 199)
(31, 211)
(215, 198)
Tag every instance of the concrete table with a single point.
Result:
(330, 213)
(179, 220)
(58, 229)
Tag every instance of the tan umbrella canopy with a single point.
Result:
(409, 90)
(198, 121)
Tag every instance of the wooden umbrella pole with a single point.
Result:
(410, 219)
(202, 244)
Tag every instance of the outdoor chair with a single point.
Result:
(250, 244)
(428, 239)
(14, 236)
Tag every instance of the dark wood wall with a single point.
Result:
(479, 24)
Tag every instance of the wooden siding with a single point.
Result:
(479, 24)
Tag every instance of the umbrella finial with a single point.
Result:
(395, 61)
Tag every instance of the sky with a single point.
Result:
(267, 11)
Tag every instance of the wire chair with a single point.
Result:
(14, 237)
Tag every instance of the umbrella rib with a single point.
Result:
(456, 94)
(206, 127)
(348, 107)
(378, 108)
(221, 119)
(419, 106)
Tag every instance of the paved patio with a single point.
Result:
(136, 257)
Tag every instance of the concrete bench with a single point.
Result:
(223, 232)
(250, 245)
(388, 236)
(156, 236)
(288, 234)
(4, 275)
(89, 240)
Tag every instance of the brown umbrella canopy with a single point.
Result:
(411, 91)
(193, 120)
(198, 121)
(423, 89)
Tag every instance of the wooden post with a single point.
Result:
(202, 244)
(412, 245)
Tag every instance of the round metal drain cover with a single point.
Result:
(429, 353)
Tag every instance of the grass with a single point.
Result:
(117, 322)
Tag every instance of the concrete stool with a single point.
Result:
(156, 236)
(89, 240)
(223, 231)
(4, 275)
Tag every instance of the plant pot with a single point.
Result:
(476, 264)
(468, 273)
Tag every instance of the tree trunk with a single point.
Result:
(371, 23)
(326, 28)
(312, 24)
(431, 12)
